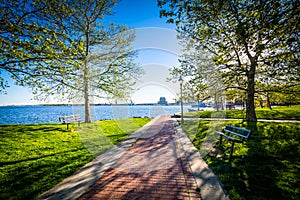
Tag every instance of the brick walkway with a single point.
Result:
(153, 168)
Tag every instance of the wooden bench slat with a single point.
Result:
(69, 119)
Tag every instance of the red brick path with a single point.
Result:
(153, 168)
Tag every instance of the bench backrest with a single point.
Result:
(64, 119)
(242, 132)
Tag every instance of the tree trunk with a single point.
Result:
(86, 81)
(216, 102)
(268, 101)
(222, 104)
(250, 106)
(87, 105)
(86, 94)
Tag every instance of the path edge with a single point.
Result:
(207, 181)
(74, 186)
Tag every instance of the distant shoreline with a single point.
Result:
(141, 104)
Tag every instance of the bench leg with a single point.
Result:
(231, 149)
(67, 126)
(220, 139)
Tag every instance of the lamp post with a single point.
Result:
(181, 101)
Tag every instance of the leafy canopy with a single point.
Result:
(250, 40)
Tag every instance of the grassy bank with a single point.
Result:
(265, 167)
(280, 112)
(34, 158)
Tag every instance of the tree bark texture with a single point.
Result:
(250, 106)
(86, 94)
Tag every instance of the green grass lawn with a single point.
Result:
(280, 112)
(265, 167)
(34, 158)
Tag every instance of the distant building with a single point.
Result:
(162, 101)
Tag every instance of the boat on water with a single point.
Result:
(200, 107)
(192, 110)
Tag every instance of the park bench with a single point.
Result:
(69, 119)
(234, 134)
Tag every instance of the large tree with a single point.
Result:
(85, 56)
(103, 64)
(27, 40)
(202, 78)
(250, 39)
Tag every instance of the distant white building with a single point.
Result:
(162, 101)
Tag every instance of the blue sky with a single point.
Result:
(157, 47)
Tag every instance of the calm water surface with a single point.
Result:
(50, 114)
